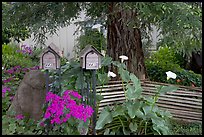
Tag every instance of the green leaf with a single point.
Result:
(132, 108)
(99, 97)
(83, 127)
(133, 126)
(104, 118)
(124, 74)
(106, 61)
(133, 92)
(135, 80)
(139, 114)
(12, 127)
(103, 78)
(165, 89)
(119, 110)
(147, 109)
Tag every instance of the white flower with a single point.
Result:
(170, 75)
(103, 52)
(97, 26)
(2, 68)
(111, 74)
(123, 58)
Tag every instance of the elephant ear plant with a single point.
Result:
(138, 115)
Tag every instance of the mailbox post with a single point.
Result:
(49, 60)
(90, 59)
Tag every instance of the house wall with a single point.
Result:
(64, 39)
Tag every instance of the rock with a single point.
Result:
(30, 95)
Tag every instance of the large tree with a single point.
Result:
(179, 23)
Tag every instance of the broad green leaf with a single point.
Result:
(139, 114)
(119, 110)
(106, 61)
(165, 89)
(103, 78)
(133, 92)
(147, 109)
(105, 117)
(133, 126)
(124, 74)
(132, 108)
(135, 80)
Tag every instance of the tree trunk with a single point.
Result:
(124, 40)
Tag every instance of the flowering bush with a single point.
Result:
(12, 56)
(27, 50)
(58, 105)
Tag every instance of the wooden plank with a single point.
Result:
(186, 117)
(169, 106)
(178, 100)
(175, 97)
(186, 113)
(178, 91)
(166, 84)
(181, 105)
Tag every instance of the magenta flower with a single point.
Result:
(4, 89)
(7, 80)
(20, 117)
(10, 71)
(59, 105)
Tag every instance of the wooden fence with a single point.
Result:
(184, 104)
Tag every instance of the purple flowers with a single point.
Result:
(59, 105)
(4, 89)
(25, 50)
(20, 117)
(18, 69)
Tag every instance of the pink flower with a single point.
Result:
(42, 124)
(59, 105)
(20, 117)
(4, 89)
(7, 80)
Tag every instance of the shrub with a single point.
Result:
(165, 59)
(12, 56)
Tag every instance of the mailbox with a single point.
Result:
(90, 58)
(49, 58)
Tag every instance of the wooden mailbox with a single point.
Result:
(50, 58)
(90, 58)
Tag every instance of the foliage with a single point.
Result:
(179, 22)
(14, 31)
(188, 78)
(166, 59)
(90, 37)
(138, 115)
(15, 126)
(11, 57)
(183, 128)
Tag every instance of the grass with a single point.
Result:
(184, 128)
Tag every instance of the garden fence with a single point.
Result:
(184, 104)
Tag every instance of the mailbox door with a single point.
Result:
(91, 61)
(49, 61)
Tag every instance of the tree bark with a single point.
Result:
(124, 40)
